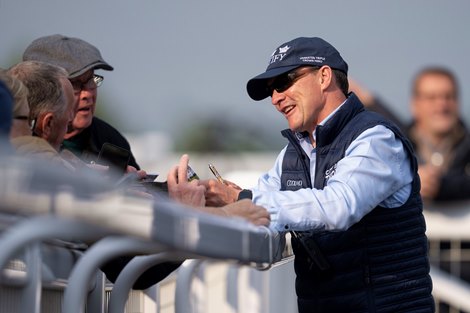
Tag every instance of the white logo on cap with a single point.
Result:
(284, 49)
(278, 57)
(313, 59)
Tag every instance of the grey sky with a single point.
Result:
(177, 61)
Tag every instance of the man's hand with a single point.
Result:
(141, 174)
(249, 211)
(179, 189)
(219, 194)
(430, 181)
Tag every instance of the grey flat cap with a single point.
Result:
(75, 55)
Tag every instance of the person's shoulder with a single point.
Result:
(98, 122)
(101, 126)
(33, 146)
(31, 142)
(105, 132)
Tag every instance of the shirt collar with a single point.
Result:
(326, 119)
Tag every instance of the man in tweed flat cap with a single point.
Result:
(80, 59)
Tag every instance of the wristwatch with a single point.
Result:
(245, 194)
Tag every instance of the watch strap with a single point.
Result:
(245, 194)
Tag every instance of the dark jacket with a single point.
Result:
(88, 143)
(379, 264)
(455, 183)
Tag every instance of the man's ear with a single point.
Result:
(325, 76)
(46, 124)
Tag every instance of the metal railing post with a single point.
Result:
(31, 293)
(104, 250)
(186, 272)
(128, 276)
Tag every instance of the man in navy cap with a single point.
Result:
(345, 186)
(80, 59)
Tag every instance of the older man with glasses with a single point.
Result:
(80, 59)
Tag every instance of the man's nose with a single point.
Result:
(277, 97)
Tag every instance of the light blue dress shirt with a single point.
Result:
(374, 171)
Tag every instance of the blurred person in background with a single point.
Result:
(439, 135)
(81, 59)
(374, 103)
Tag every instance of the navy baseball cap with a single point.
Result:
(299, 52)
(75, 55)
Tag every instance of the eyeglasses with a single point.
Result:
(21, 117)
(24, 118)
(93, 82)
(283, 82)
(432, 97)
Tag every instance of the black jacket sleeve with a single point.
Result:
(102, 132)
(149, 278)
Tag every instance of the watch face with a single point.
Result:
(245, 194)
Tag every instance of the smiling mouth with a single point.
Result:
(85, 109)
(287, 109)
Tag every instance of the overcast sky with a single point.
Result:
(178, 61)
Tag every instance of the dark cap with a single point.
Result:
(299, 52)
(75, 55)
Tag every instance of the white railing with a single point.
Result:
(448, 231)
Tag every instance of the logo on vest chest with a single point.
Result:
(330, 172)
(294, 183)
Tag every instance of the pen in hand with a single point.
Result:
(216, 174)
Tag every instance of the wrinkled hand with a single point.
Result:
(219, 194)
(249, 211)
(141, 174)
(179, 189)
(430, 181)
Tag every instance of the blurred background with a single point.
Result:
(181, 67)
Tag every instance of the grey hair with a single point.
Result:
(43, 82)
